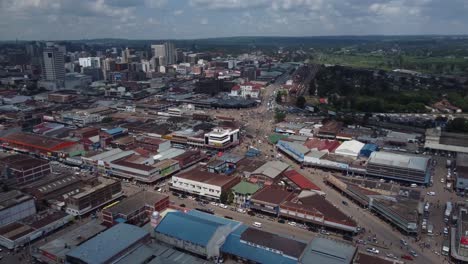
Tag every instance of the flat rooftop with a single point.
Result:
(206, 177)
(135, 202)
(399, 160)
(22, 162)
(328, 251)
(272, 195)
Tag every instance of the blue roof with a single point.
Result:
(186, 227)
(371, 147)
(106, 245)
(214, 218)
(114, 131)
(234, 246)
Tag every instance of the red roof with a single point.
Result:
(300, 180)
(315, 143)
(235, 88)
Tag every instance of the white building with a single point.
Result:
(222, 137)
(203, 183)
(93, 62)
(350, 148)
(246, 90)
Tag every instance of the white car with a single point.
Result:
(240, 210)
(431, 193)
(442, 180)
(292, 223)
(373, 250)
(214, 204)
(223, 206)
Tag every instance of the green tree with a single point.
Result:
(279, 116)
(226, 197)
(458, 124)
(107, 119)
(300, 102)
(279, 97)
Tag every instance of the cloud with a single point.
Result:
(76, 19)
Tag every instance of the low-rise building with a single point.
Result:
(203, 184)
(243, 191)
(268, 173)
(399, 167)
(95, 194)
(325, 250)
(461, 165)
(136, 209)
(19, 169)
(54, 252)
(200, 233)
(221, 138)
(14, 206)
(143, 172)
(269, 199)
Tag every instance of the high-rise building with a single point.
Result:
(53, 65)
(165, 52)
(126, 55)
(108, 65)
(93, 62)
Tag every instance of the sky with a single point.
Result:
(188, 19)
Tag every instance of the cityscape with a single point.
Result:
(332, 148)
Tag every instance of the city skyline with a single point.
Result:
(191, 19)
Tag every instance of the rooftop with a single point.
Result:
(104, 246)
(188, 227)
(12, 198)
(272, 169)
(206, 177)
(399, 160)
(37, 141)
(244, 187)
(136, 201)
(60, 246)
(272, 195)
(288, 246)
(300, 180)
(327, 251)
(22, 162)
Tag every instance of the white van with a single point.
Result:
(257, 224)
(414, 185)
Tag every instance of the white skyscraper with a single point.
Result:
(93, 62)
(164, 52)
(53, 65)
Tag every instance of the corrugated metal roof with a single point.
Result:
(327, 251)
(399, 160)
(108, 244)
(188, 228)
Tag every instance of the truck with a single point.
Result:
(448, 211)
(446, 247)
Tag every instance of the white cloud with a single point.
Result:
(204, 21)
(178, 12)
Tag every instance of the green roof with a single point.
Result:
(245, 188)
(274, 138)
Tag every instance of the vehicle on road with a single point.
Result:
(442, 180)
(390, 255)
(292, 223)
(361, 241)
(242, 211)
(228, 217)
(446, 231)
(373, 250)
(257, 224)
(344, 202)
(324, 232)
(223, 206)
(214, 204)
(413, 253)
(281, 221)
(407, 257)
(182, 205)
(431, 193)
(251, 213)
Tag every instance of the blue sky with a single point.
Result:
(175, 19)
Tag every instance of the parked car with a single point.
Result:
(344, 202)
(407, 257)
(281, 221)
(373, 250)
(324, 232)
(223, 206)
(402, 241)
(446, 231)
(413, 253)
(292, 223)
(182, 205)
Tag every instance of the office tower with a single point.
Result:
(53, 65)
(126, 55)
(165, 52)
(93, 62)
(108, 65)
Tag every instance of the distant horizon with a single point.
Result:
(247, 36)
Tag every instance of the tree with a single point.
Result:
(279, 97)
(279, 116)
(224, 197)
(107, 119)
(300, 102)
(458, 124)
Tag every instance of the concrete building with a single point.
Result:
(14, 206)
(94, 195)
(243, 191)
(53, 66)
(142, 171)
(93, 62)
(462, 173)
(19, 169)
(203, 184)
(269, 199)
(438, 141)
(350, 148)
(399, 167)
(222, 138)
(136, 209)
(268, 173)
(459, 237)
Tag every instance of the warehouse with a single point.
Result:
(393, 166)
(22, 169)
(350, 148)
